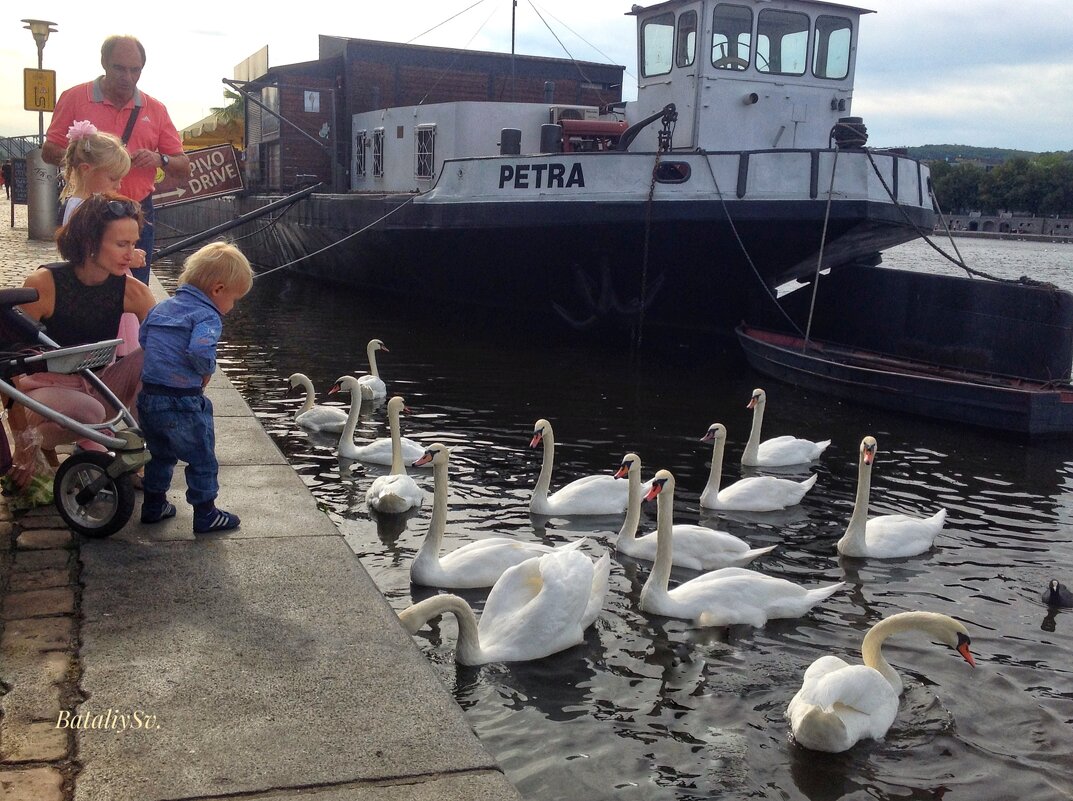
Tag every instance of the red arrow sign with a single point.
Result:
(213, 171)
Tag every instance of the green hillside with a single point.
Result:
(951, 152)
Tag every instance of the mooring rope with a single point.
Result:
(639, 336)
(823, 242)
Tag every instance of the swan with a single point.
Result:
(372, 386)
(476, 564)
(839, 704)
(777, 451)
(313, 416)
(379, 451)
(886, 536)
(753, 494)
(396, 492)
(723, 597)
(1057, 594)
(591, 495)
(695, 547)
(536, 608)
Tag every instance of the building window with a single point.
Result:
(361, 142)
(425, 151)
(378, 153)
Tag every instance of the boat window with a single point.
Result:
(657, 45)
(378, 153)
(732, 37)
(782, 42)
(687, 39)
(361, 142)
(833, 38)
(424, 151)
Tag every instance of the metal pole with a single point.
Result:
(513, 14)
(40, 114)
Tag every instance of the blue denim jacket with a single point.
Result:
(179, 338)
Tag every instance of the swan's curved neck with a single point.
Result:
(661, 568)
(543, 482)
(872, 647)
(370, 350)
(430, 548)
(715, 475)
(397, 467)
(752, 447)
(352, 414)
(856, 527)
(469, 643)
(307, 385)
(633, 506)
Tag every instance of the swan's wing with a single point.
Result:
(377, 452)
(787, 450)
(601, 575)
(723, 598)
(594, 495)
(902, 535)
(702, 548)
(323, 418)
(394, 493)
(485, 561)
(763, 494)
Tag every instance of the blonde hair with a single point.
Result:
(98, 150)
(218, 263)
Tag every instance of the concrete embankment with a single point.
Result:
(261, 663)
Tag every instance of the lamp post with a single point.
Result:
(40, 29)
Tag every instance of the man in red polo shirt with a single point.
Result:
(115, 105)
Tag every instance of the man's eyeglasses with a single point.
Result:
(117, 209)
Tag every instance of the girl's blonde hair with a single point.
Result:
(98, 150)
(218, 263)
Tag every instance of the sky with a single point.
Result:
(985, 73)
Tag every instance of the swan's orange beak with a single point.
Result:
(622, 471)
(537, 437)
(963, 649)
(656, 489)
(751, 403)
(425, 459)
(868, 455)
(335, 388)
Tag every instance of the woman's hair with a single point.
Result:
(217, 263)
(87, 145)
(80, 239)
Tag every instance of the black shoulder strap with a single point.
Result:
(130, 124)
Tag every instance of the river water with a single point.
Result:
(652, 708)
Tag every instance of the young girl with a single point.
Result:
(96, 162)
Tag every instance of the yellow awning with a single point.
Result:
(213, 130)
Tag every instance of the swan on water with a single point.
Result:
(723, 597)
(885, 536)
(396, 492)
(372, 386)
(778, 451)
(379, 451)
(591, 495)
(535, 609)
(752, 494)
(840, 704)
(695, 547)
(476, 564)
(315, 417)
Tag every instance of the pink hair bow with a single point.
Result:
(80, 130)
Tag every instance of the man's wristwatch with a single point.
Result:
(164, 159)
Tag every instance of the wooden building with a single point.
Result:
(317, 99)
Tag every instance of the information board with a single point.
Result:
(20, 187)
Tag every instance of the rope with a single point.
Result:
(823, 241)
(575, 62)
(440, 24)
(338, 241)
(639, 338)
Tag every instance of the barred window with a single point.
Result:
(361, 141)
(425, 151)
(378, 153)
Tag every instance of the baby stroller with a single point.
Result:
(92, 490)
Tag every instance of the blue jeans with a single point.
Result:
(147, 240)
(180, 428)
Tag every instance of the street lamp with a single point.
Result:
(40, 29)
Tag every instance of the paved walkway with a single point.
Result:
(261, 663)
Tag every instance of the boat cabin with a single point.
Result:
(745, 74)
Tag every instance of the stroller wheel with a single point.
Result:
(101, 513)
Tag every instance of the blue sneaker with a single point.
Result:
(155, 512)
(214, 520)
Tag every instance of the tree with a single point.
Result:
(234, 111)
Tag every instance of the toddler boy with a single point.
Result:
(179, 337)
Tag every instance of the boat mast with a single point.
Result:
(513, 14)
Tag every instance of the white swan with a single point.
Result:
(372, 386)
(396, 492)
(313, 416)
(886, 536)
(536, 608)
(379, 451)
(723, 597)
(695, 547)
(752, 494)
(839, 704)
(591, 495)
(476, 564)
(777, 451)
